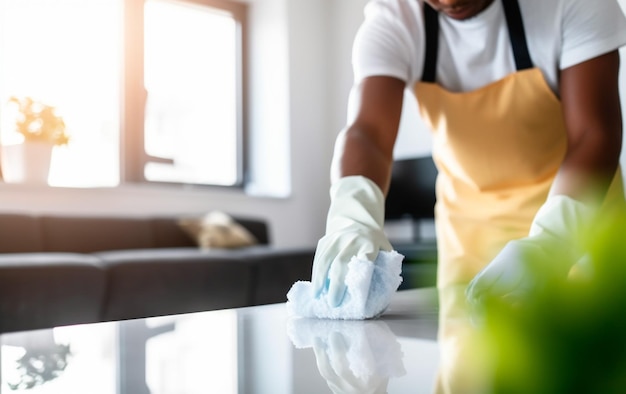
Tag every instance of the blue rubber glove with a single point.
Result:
(354, 227)
(553, 241)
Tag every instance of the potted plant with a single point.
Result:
(42, 129)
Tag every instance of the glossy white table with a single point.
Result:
(246, 350)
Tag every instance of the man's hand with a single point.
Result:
(354, 227)
(550, 250)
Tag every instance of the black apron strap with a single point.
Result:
(431, 25)
(515, 26)
(517, 34)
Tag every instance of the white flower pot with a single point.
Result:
(28, 162)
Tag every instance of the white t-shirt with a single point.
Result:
(477, 51)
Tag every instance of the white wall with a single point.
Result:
(268, 119)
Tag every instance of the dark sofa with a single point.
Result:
(58, 270)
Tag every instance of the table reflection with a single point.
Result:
(38, 358)
(369, 357)
(463, 366)
(352, 356)
(247, 350)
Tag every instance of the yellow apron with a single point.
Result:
(497, 149)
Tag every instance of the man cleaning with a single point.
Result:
(522, 99)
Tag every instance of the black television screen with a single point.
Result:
(412, 189)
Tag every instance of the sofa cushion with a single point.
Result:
(24, 233)
(154, 282)
(42, 290)
(257, 227)
(168, 234)
(276, 270)
(217, 230)
(20, 233)
(92, 234)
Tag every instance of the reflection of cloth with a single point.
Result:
(353, 356)
(370, 287)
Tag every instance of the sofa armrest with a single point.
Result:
(43, 290)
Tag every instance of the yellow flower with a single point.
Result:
(37, 121)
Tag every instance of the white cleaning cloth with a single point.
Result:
(370, 286)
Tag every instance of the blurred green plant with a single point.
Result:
(39, 122)
(569, 336)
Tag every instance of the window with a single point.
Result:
(149, 90)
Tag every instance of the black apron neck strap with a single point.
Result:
(517, 36)
(431, 30)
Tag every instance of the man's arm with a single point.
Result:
(593, 119)
(361, 173)
(365, 147)
(592, 113)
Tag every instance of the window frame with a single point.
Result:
(133, 157)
